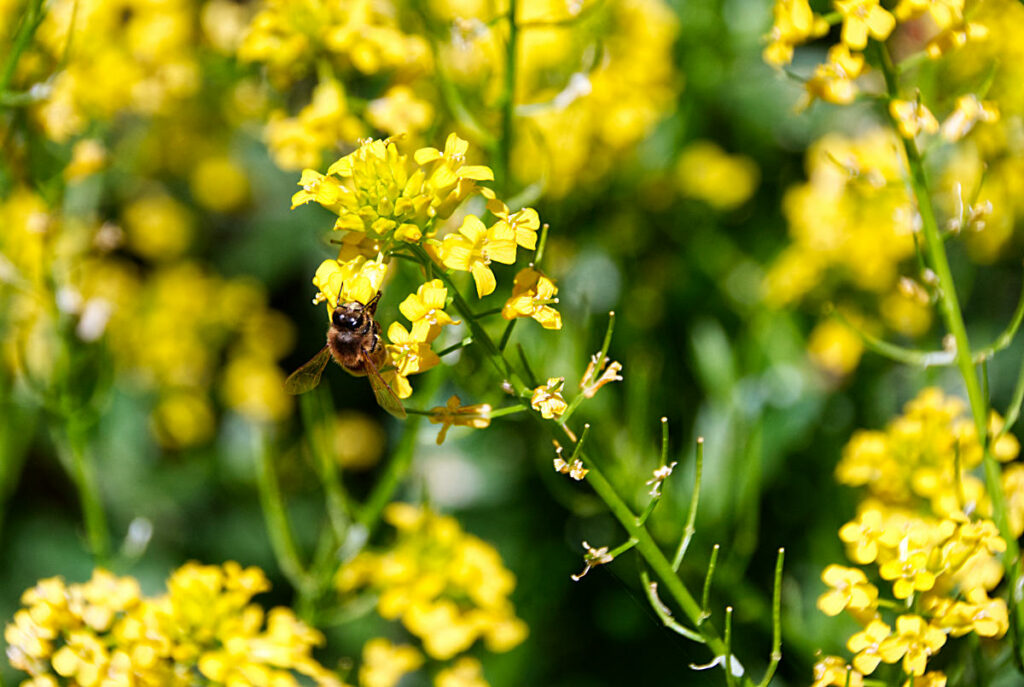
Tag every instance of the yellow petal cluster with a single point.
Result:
(447, 587)
(203, 630)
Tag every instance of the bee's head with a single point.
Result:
(346, 317)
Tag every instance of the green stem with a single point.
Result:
(509, 100)
(401, 461)
(316, 419)
(949, 307)
(84, 474)
(660, 565)
(30, 22)
(691, 519)
(275, 516)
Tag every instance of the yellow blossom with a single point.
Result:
(849, 589)
(597, 375)
(87, 157)
(832, 81)
(865, 645)
(533, 293)
(466, 672)
(474, 247)
(525, 223)
(914, 641)
(547, 399)
(356, 280)
(454, 413)
(385, 663)
(706, 172)
(400, 111)
(448, 588)
(861, 18)
(913, 117)
(969, 110)
(832, 671)
(425, 310)
(794, 24)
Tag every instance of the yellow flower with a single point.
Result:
(87, 157)
(979, 614)
(525, 223)
(969, 110)
(425, 310)
(385, 663)
(454, 413)
(532, 296)
(158, 226)
(945, 13)
(400, 111)
(863, 17)
(473, 248)
(356, 280)
(408, 355)
(706, 172)
(447, 587)
(866, 645)
(914, 641)
(466, 672)
(910, 572)
(912, 117)
(547, 399)
(794, 24)
(835, 348)
(219, 183)
(849, 589)
(832, 671)
(449, 178)
(832, 81)
(933, 678)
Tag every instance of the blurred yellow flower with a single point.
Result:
(706, 172)
(861, 18)
(385, 663)
(466, 672)
(912, 117)
(835, 348)
(219, 183)
(158, 226)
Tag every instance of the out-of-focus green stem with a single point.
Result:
(508, 102)
(314, 418)
(29, 23)
(949, 306)
(75, 446)
(276, 516)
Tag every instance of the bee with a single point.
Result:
(355, 343)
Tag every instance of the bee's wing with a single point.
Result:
(308, 376)
(386, 398)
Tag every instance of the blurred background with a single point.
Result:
(155, 291)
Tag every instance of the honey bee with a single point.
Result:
(355, 342)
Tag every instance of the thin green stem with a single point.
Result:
(275, 515)
(84, 473)
(662, 611)
(29, 23)
(705, 595)
(598, 359)
(776, 656)
(949, 306)
(691, 519)
(456, 346)
(654, 557)
(1013, 410)
(317, 418)
(509, 100)
(1006, 337)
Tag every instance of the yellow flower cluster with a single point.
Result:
(795, 23)
(447, 587)
(388, 202)
(591, 109)
(852, 228)
(98, 59)
(204, 630)
(926, 527)
(166, 327)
